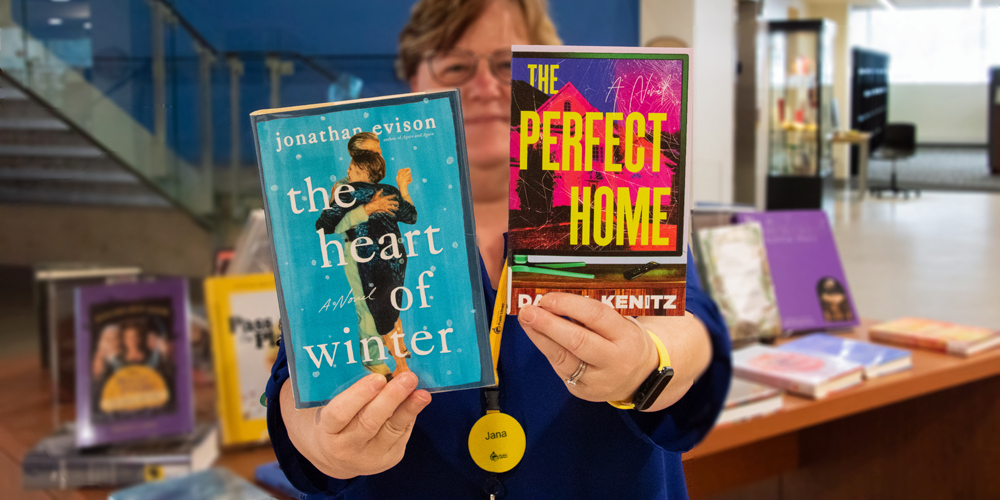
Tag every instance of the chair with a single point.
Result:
(898, 142)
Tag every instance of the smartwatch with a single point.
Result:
(653, 386)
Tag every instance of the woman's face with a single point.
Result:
(132, 341)
(485, 100)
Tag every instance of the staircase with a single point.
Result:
(45, 160)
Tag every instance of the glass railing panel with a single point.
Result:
(102, 82)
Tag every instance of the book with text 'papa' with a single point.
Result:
(368, 204)
(133, 361)
(599, 187)
(56, 463)
(951, 338)
(243, 311)
(811, 375)
(878, 360)
(809, 280)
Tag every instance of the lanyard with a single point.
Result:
(491, 395)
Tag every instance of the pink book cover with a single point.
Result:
(599, 182)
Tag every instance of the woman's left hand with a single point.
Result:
(618, 354)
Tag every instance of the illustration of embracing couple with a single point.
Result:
(373, 210)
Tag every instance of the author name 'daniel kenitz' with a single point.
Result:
(331, 134)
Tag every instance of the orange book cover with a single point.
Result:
(941, 336)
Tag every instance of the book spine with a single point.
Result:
(776, 380)
(909, 340)
(64, 474)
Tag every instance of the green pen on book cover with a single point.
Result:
(553, 272)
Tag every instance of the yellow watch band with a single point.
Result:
(661, 350)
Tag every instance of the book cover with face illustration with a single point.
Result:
(133, 377)
(809, 280)
(368, 203)
(599, 183)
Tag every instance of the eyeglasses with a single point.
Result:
(458, 66)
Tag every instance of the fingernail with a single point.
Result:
(376, 381)
(527, 314)
(424, 398)
(408, 379)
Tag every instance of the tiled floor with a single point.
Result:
(936, 256)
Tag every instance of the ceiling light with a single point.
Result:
(87, 25)
(60, 1)
(977, 4)
(887, 4)
(55, 21)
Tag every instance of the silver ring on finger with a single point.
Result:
(575, 377)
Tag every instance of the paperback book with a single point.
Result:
(738, 277)
(133, 362)
(243, 311)
(599, 184)
(878, 360)
(368, 203)
(56, 463)
(811, 375)
(809, 280)
(747, 400)
(217, 483)
(958, 340)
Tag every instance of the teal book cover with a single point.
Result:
(369, 207)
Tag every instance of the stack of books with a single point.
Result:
(134, 401)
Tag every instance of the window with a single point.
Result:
(945, 45)
(567, 106)
(598, 153)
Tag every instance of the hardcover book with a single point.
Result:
(958, 340)
(812, 375)
(272, 477)
(217, 483)
(133, 362)
(738, 277)
(243, 311)
(368, 203)
(747, 400)
(809, 280)
(599, 148)
(56, 463)
(878, 360)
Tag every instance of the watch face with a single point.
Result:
(651, 388)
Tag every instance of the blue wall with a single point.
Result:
(372, 27)
(355, 37)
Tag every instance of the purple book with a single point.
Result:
(809, 281)
(133, 362)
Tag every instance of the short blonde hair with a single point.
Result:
(437, 25)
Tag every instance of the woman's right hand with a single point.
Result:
(361, 431)
(381, 203)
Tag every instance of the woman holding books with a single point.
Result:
(560, 361)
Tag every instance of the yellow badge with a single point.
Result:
(152, 473)
(497, 442)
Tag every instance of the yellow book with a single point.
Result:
(243, 312)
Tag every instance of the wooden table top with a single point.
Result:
(931, 372)
(26, 413)
(26, 418)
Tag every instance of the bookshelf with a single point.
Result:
(869, 98)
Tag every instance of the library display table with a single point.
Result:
(929, 432)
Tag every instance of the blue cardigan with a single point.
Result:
(575, 448)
